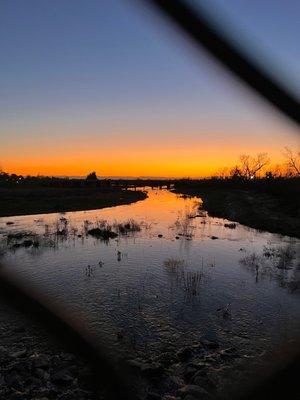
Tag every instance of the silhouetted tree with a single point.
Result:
(292, 161)
(235, 173)
(250, 166)
(92, 177)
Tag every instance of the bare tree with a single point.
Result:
(250, 166)
(292, 161)
(235, 172)
(222, 173)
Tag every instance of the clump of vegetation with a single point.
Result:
(254, 262)
(61, 226)
(184, 225)
(104, 234)
(225, 311)
(190, 281)
(101, 230)
(22, 239)
(230, 225)
(129, 226)
(283, 256)
(173, 264)
(19, 235)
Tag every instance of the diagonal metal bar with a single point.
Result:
(196, 26)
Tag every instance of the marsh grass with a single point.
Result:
(20, 235)
(282, 256)
(255, 263)
(62, 226)
(190, 281)
(184, 225)
(129, 226)
(277, 262)
(173, 264)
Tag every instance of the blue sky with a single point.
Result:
(110, 71)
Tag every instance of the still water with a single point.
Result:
(183, 276)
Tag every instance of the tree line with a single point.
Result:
(251, 167)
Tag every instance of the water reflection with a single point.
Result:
(170, 276)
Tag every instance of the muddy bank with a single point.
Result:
(257, 210)
(34, 366)
(24, 201)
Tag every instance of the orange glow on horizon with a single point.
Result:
(163, 153)
(197, 161)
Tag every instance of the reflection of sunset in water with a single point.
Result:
(178, 276)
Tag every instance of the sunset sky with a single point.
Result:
(104, 85)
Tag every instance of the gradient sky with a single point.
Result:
(105, 85)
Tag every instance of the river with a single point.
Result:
(176, 277)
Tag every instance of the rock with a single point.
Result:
(33, 382)
(120, 336)
(13, 379)
(153, 369)
(193, 390)
(135, 364)
(41, 361)
(40, 398)
(67, 356)
(62, 377)
(189, 372)
(228, 353)
(160, 235)
(184, 353)
(166, 359)
(19, 353)
(202, 367)
(42, 374)
(214, 237)
(204, 382)
(167, 397)
(210, 344)
(3, 352)
(149, 369)
(153, 396)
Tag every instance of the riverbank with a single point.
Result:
(259, 210)
(43, 200)
(34, 366)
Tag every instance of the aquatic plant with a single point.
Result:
(89, 271)
(104, 234)
(285, 256)
(231, 225)
(20, 235)
(282, 256)
(225, 311)
(127, 227)
(184, 226)
(253, 262)
(61, 226)
(190, 281)
(173, 263)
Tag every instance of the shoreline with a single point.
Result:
(32, 201)
(257, 210)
